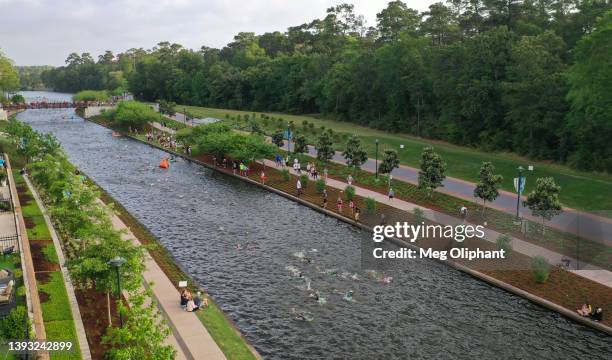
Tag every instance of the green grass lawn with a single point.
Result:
(580, 190)
(63, 330)
(225, 336)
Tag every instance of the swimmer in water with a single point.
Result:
(349, 295)
(238, 247)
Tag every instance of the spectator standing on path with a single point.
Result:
(308, 167)
(235, 167)
(349, 179)
(339, 203)
(357, 213)
(263, 177)
(391, 194)
(324, 198)
(352, 206)
(298, 186)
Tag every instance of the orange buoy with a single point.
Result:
(164, 164)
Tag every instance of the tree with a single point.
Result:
(488, 184)
(432, 171)
(135, 114)
(9, 79)
(534, 94)
(544, 199)
(277, 139)
(324, 147)
(300, 145)
(143, 335)
(354, 154)
(167, 107)
(389, 162)
(395, 19)
(590, 118)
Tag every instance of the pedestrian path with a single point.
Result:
(589, 271)
(190, 338)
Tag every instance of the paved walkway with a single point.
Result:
(589, 271)
(190, 338)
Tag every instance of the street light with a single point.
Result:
(518, 190)
(117, 262)
(376, 159)
(288, 137)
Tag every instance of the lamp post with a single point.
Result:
(288, 137)
(117, 262)
(376, 159)
(518, 190)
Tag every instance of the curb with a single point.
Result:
(481, 276)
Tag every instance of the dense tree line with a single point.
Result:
(30, 77)
(502, 75)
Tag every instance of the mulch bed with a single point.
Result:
(94, 312)
(29, 222)
(38, 257)
(43, 277)
(22, 194)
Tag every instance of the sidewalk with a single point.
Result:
(190, 338)
(589, 271)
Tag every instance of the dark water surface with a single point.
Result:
(429, 311)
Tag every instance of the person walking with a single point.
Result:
(391, 194)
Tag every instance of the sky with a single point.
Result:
(44, 32)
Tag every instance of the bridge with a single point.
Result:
(56, 105)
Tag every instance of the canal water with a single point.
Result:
(428, 311)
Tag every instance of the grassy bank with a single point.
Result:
(580, 190)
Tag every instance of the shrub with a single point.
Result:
(370, 204)
(90, 95)
(285, 174)
(349, 192)
(18, 99)
(227, 116)
(540, 269)
(133, 113)
(419, 215)
(13, 326)
(304, 180)
(320, 185)
(504, 242)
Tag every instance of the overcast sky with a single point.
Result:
(44, 32)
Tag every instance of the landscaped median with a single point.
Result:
(57, 315)
(564, 291)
